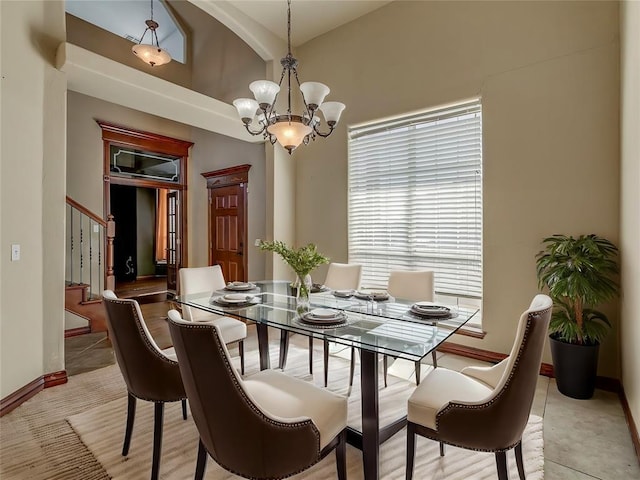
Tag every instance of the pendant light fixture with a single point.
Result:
(151, 54)
(287, 129)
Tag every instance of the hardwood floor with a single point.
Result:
(145, 290)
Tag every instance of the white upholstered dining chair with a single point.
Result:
(483, 408)
(340, 276)
(266, 426)
(415, 286)
(211, 279)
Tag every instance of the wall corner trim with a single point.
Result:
(17, 398)
(21, 395)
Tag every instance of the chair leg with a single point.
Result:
(411, 450)
(326, 363)
(131, 416)
(501, 464)
(341, 456)
(241, 350)
(435, 358)
(201, 463)
(385, 368)
(157, 439)
(352, 366)
(184, 409)
(310, 355)
(518, 452)
(441, 449)
(418, 372)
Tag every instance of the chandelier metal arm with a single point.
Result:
(263, 130)
(324, 135)
(309, 111)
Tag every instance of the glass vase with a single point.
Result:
(304, 284)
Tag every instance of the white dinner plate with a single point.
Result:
(324, 313)
(429, 310)
(235, 298)
(378, 295)
(240, 286)
(344, 293)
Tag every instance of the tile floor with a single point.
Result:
(583, 439)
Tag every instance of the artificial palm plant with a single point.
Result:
(580, 274)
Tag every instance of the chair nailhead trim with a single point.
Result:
(451, 405)
(251, 405)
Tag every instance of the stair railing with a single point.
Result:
(89, 249)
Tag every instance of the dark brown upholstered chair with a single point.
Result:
(150, 373)
(484, 409)
(267, 426)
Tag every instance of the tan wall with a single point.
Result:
(223, 65)
(630, 205)
(213, 152)
(547, 73)
(31, 193)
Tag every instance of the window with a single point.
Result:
(131, 162)
(415, 198)
(127, 19)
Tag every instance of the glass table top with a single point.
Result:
(387, 327)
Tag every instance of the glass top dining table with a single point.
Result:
(387, 327)
(373, 327)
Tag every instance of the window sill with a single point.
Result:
(471, 331)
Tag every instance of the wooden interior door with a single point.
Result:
(173, 240)
(228, 221)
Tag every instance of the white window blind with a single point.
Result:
(415, 198)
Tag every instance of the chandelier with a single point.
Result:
(287, 129)
(151, 54)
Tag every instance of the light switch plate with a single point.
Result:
(15, 252)
(257, 242)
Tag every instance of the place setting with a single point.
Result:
(319, 288)
(372, 295)
(237, 300)
(429, 310)
(343, 293)
(324, 318)
(240, 286)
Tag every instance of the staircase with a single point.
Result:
(78, 301)
(89, 266)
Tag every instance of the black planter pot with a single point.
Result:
(575, 368)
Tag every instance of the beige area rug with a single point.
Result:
(101, 429)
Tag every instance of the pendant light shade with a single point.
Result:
(149, 53)
(289, 132)
(154, 56)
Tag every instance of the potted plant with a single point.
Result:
(302, 261)
(579, 274)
